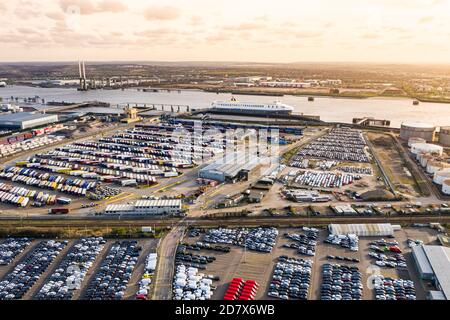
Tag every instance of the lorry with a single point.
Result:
(58, 211)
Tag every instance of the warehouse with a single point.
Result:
(368, 230)
(433, 263)
(26, 120)
(146, 207)
(230, 168)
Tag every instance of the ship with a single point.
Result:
(251, 108)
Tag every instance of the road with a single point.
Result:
(162, 288)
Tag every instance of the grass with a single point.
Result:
(69, 233)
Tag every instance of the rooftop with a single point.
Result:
(439, 258)
(24, 116)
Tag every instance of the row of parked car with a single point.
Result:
(146, 280)
(340, 282)
(72, 270)
(21, 196)
(11, 248)
(33, 143)
(189, 284)
(92, 164)
(26, 273)
(240, 289)
(324, 179)
(77, 154)
(291, 279)
(256, 239)
(304, 243)
(111, 280)
(356, 170)
(386, 288)
(181, 257)
(206, 246)
(340, 144)
(347, 241)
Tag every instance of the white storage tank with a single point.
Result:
(446, 187)
(441, 175)
(424, 160)
(415, 140)
(422, 130)
(433, 166)
(433, 149)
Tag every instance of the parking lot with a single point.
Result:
(251, 265)
(101, 168)
(65, 269)
(121, 263)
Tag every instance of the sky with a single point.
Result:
(382, 31)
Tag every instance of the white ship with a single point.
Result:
(234, 106)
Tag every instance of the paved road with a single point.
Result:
(165, 270)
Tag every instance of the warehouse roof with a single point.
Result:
(119, 208)
(158, 203)
(423, 265)
(24, 116)
(232, 163)
(372, 229)
(439, 258)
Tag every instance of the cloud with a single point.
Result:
(161, 13)
(87, 7)
(246, 26)
(220, 37)
(196, 21)
(426, 19)
(370, 35)
(55, 15)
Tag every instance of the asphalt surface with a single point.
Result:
(165, 270)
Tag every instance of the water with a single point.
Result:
(397, 110)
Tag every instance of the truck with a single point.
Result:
(58, 211)
(129, 182)
(63, 200)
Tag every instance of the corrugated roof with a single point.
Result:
(439, 258)
(232, 163)
(158, 203)
(422, 262)
(25, 116)
(370, 229)
(119, 207)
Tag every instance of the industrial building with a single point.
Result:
(230, 168)
(417, 130)
(146, 207)
(444, 136)
(367, 230)
(26, 120)
(433, 264)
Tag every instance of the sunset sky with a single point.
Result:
(232, 30)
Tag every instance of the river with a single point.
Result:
(397, 110)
